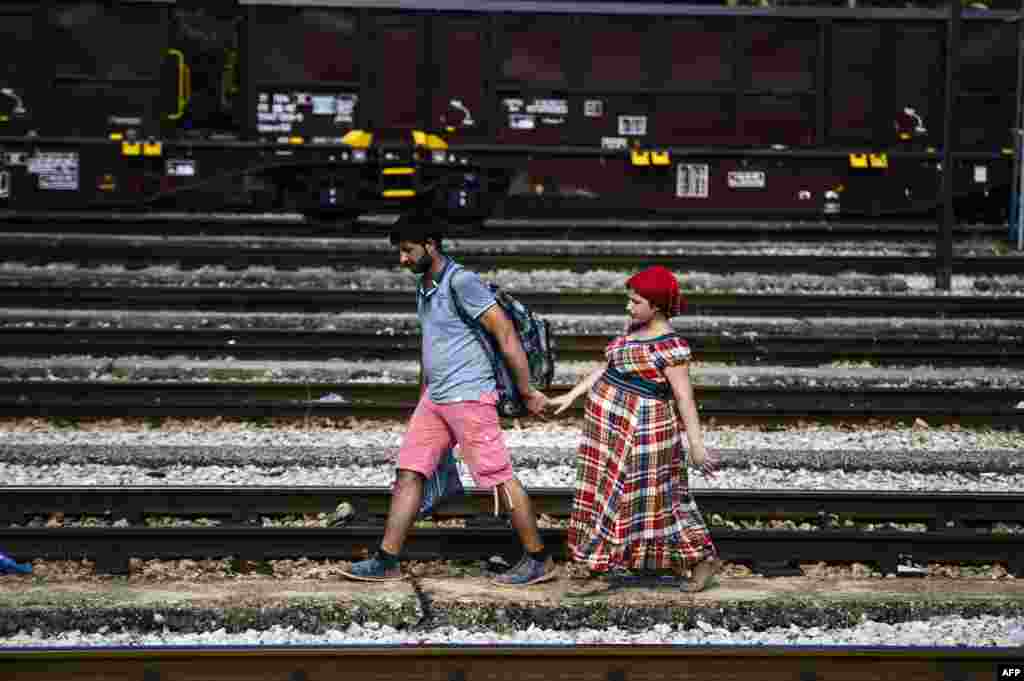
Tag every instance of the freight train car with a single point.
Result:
(342, 107)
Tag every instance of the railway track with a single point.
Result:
(90, 250)
(788, 350)
(478, 661)
(166, 398)
(604, 227)
(245, 504)
(959, 526)
(254, 299)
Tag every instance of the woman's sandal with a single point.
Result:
(704, 575)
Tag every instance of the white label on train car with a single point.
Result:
(551, 107)
(614, 143)
(5, 184)
(56, 170)
(692, 181)
(981, 174)
(521, 122)
(593, 108)
(632, 125)
(181, 167)
(746, 179)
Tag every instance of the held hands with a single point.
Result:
(561, 403)
(536, 401)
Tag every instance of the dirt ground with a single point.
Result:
(250, 589)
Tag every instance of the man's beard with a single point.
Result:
(423, 264)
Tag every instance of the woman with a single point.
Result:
(632, 507)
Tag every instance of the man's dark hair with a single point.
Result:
(416, 232)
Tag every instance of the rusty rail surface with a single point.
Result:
(494, 663)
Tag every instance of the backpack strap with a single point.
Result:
(466, 319)
(476, 327)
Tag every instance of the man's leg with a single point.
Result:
(478, 430)
(536, 565)
(405, 504)
(523, 517)
(425, 440)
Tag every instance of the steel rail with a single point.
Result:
(165, 398)
(245, 504)
(773, 551)
(790, 350)
(604, 226)
(251, 299)
(91, 252)
(512, 663)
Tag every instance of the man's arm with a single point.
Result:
(501, 327)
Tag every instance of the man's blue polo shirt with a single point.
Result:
(454, 363)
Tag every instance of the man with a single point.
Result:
(457, 404)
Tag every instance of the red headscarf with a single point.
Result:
(660, 287)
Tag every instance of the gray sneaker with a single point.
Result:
(373, 570)
(526, 572)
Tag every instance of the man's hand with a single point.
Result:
(536, 401)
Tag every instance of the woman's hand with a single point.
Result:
(561, 403)
(706, 462)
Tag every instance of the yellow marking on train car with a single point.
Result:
(398, 193)
(640, 158)
(858, 160)
(131, 148)
(357, 139)
(660, 158)
(879, 160)
(398, 171)
(117, 136)
(184, 93)
(904, 135)
(4, 118)
(1008, 152)
(419, 138)
(435, 143)
(296, 140)
(152, 149)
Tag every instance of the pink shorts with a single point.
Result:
(434, 428)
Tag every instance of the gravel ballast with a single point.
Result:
(754, 611)
(986, 631)
(357, 443)
(407, 372)
(540, 477)
(536, 280)
(553, 248)
(406, 323)
(35, 452)
(112, 451)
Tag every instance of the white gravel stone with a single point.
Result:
(921, 247)
(557, 476)
(847, 283)
(540, 436)
(978, 632)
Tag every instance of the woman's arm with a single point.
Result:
(562, 402)
(679, 378)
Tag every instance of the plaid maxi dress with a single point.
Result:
(632, 507)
